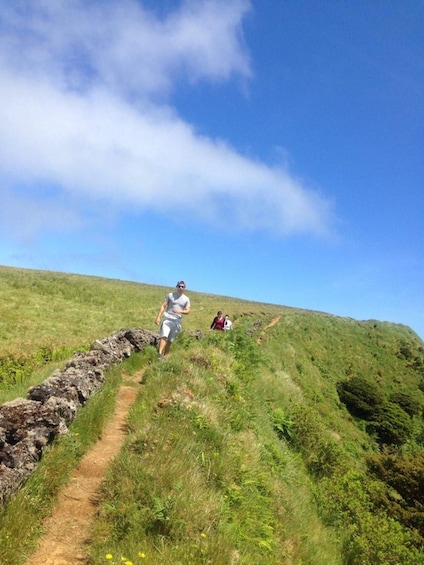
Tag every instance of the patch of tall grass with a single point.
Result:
(17, 374)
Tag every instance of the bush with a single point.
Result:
(362, 397)
(407, 402)
(282, 424)
(369, 536)
(15, 370)
(388, 420)
(405, 475)
(392, 425)
(306, 427)
(405, 352)
(326, 459)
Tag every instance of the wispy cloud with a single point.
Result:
(86, 109)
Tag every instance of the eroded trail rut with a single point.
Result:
(66, 528)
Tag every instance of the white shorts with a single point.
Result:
(170, 329)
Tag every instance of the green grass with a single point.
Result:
(46, 309)
(206, 479)
(238, 452)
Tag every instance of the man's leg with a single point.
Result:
(162, 345)
(174, 328)
(167, 347)
(165, 331)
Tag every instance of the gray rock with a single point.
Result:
(29, 425)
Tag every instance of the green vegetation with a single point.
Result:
(206, 477)
(41, 309)
(298, 442)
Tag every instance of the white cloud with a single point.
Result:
(80, 85)
(119, 44)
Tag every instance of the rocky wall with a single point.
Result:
(28, 425)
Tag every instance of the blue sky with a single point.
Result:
(267, 150)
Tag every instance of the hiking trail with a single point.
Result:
(272, 323)
(66, 529)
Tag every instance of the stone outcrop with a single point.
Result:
(28, 425)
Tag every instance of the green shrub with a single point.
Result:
(307, 427)
(282, 423)
(389, 421)
(403, 476)
(405, 352)
(392, 425)
(370, 537)
(362, 397)
(410, 404)
(14, 371)
(326, 459)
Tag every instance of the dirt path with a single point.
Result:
(272, 323)
(66, 529)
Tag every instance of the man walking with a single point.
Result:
(173, 307)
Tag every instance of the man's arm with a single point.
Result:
(186, 310)
(161, 311)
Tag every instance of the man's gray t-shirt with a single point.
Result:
(174, 300)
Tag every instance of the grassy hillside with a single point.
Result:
(47, 309)
(296, 439)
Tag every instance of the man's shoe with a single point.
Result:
(160, 356)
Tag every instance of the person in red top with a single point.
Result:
(218, 322)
